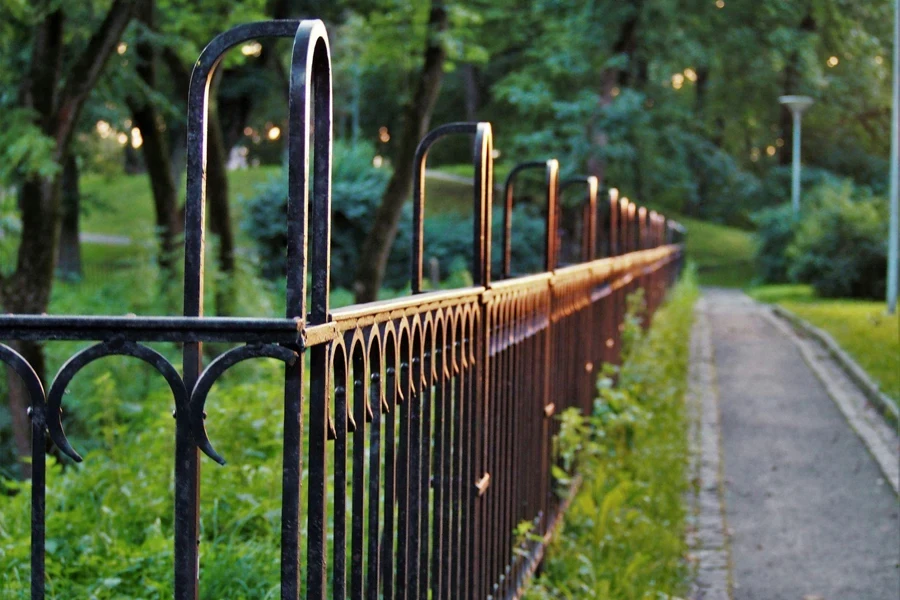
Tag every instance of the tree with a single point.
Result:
(60, 72)
(416, 117)
(155, 146)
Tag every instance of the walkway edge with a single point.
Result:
(709, 540)
(875, 443)
(867, 386)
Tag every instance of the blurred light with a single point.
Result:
(383, 134)
(770, 150)
(248, 131)
(754, 154)
(833, 61)
(614, 194)
(615, 92)
(677, 81)
(377, 161)
(779, 142)
(127, 123)
(122, 47)
(103, 129)
(878, 60)
(495, 153)
(137, 140)
(720, 3)
(122, 138)
(251, 49)
(274, 133)
(690, 74)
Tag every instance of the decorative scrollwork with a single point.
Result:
(89, 355)
(212, 372)
(32, 382)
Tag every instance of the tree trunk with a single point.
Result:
(27, 290)
(609, 78)
(220, 214)
(162, 182)
(472, 93)
(696, 164)
(155, 149)
(416, 117)
(792, 80)
(69, 256)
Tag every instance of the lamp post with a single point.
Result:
(894, 234)
(797, 105)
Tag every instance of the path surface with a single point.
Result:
(809, 512)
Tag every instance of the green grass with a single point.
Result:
(723, 255)
(501, 170)
(123, 204)
(623, 535)
(861, 328)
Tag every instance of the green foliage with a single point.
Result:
(774, 233)
(110, 519)
(677, 102)
(356, 189)
(840, 246)
(26, 150)
(623, 535)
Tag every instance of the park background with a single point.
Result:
(672, 102)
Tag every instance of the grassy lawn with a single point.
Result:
(723, 255)
(501, 170)
(861, 328)
(123, 205)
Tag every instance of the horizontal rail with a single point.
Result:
(151, 329)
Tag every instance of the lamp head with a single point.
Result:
(796, 104)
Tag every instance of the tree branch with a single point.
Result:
(87, 68)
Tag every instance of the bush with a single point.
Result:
(356, 193)
(840, 246)
(775, 232)
(356, 190)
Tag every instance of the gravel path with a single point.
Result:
(811, 515)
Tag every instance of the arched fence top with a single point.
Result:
(483, 163)
(551, 206)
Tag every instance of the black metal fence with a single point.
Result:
(430, 418)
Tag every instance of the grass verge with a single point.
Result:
(623, 536)
(861, 328)
(723, 255)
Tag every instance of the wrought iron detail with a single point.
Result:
(409, 401)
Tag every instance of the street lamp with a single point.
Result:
(797, 105)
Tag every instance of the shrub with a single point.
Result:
(356, 192)
(775, 232)
(840, 246)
